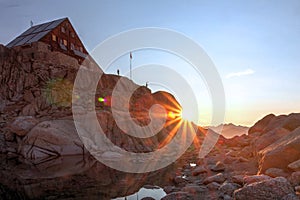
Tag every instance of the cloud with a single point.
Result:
(242, 73)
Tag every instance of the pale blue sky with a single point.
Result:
(255, 45)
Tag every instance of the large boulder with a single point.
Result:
(261, 124)
(277, 188)
(281, 153)
(213, 186)
(295, 178)
(271, 122)
(292, 122)
(199, 170)
(51, 138)
(57, 167)
(269, 138)
(229, 188)
(275, 172)
(218, 178)
(238, 141)
(255, 178)
(295, 166)
(218, 167)
(272, 128)
(22, 125)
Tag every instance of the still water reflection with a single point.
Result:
(155, 193)
(77, 177)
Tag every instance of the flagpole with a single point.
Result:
(130, 66)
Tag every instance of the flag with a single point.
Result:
(130, 55)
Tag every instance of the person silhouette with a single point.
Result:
(147, 84)
(118, 72)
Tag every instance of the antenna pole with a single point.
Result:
(130, 65)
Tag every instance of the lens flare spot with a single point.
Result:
(105, 100)
(101, 99)
(59, 92)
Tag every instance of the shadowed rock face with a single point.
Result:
(31, 77)
(36, 85)
(60, 137)
(22, 125)
(51, 139)
(39, 133)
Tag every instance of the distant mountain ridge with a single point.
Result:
(230, 130)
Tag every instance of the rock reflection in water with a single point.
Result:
(155, 193)
(75, 177)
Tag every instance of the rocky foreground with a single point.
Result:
(261, 165)
(37, 132)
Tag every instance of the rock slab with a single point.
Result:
(51, 138)
(277, 188)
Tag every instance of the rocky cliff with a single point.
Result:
(36, 98)
(37, 126)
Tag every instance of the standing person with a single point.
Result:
(118, 72)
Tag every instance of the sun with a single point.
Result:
(175, 114)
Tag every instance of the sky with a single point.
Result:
(255, 45)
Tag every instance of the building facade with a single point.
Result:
(59, 35)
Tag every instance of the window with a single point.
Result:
(72, 35)
(72, 46)
(63, 29)
(65, 42)
(54, 37)
(80, 49)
